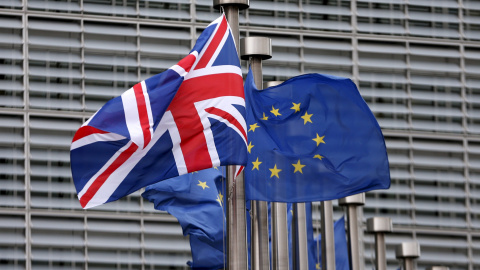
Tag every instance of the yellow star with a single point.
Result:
(318, 156)
(203, 184)
(275, 171)
(298, 167)
(319, 139)
(275, 111)
(264, 117)
(317, 266)
(296, 107)
(216, 168)
(253, 127)
(306, 118)
(256, 164)
(249, 147)
(220, 198)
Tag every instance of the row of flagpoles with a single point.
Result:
(255, 50)
(194, 116)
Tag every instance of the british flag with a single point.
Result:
(188, 118)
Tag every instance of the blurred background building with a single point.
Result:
(417, 64)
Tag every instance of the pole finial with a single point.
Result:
(255, 46)
(379, 224)
(241, 4)
(357, 199)
(407, 250)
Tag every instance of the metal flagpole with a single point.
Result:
(438, 268)
(280, 253)
(237, 257)
(379, 226)
(351, 202)
(299, 234)
(280, 225)
(232, 8)
(408, 251)
(256, 49)
(328, 241)
(271, 83)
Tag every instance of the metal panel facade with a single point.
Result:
(417, 64)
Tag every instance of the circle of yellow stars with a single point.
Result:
(297, 167)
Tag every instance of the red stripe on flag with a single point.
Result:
(95, 186)
(142, 113)
(228, 117)
(193, 142)
(240, 169)
(212, 47)
(86, 131)
(187, 62)
(206, 87)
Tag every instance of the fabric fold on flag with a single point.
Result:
(196, 201)
(188, 118)
(312, 138)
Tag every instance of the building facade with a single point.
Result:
(416, 62)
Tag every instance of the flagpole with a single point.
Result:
(352, 202)
(232, 7)
(299, 233)
(328, 241)
(257, 49)
(280, 252)
(379, 226)
(237, 255)
(435, 267)
(271, 83)
(408, 251)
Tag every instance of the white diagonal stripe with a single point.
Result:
(149, 108)
(132, 118)
(219, 48)
(224, 103)
(214, 70)
(95, 137)
(116, 178)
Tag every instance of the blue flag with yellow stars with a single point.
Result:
(196, 200)
(312, 138)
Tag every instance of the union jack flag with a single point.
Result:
(188, 118)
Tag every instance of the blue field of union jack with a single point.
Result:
(188, 118)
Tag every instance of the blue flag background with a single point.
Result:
(196, 199)
(312, 138)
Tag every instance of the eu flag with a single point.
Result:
(196, 200)
(312, 138)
